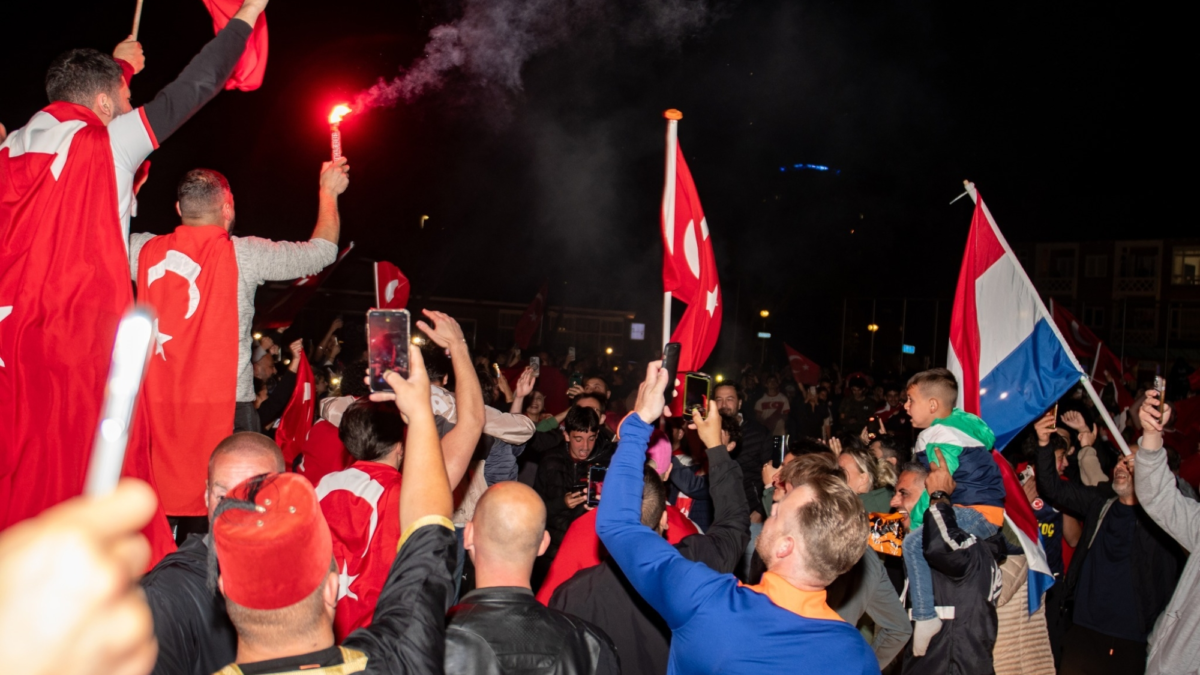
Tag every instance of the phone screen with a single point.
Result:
(697, 389)
(779, 446)
(496, 370)
(595, 484)
(671, 365)
(1160, 384)
(387, 345)
(535, 362)
(576, 380)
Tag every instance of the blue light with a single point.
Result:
(810, 167)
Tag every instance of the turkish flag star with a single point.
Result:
(710, 301)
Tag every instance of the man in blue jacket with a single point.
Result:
(718, 625)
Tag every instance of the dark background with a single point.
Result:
(1056, 112)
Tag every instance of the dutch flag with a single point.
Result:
(1011, 362)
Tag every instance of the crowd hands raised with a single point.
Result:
(497, 513)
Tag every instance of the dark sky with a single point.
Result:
(1052, 110)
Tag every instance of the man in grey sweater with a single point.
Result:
(1175, 640)
(206, 199)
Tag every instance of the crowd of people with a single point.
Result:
(525, 511)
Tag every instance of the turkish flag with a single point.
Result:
(391, 287)
(64, 284)
(297, 417)
(248, 73)
(1084, 343)
(690, 270)
(281, 311)
(322, 453)
(362, 506)
(804, 369)
(527, 325)
(190, 278)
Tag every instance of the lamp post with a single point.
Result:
(763, 354)
(872, 328)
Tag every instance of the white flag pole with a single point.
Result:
(668, 206)
(1083, 378)
(137, 19)
(378, 300)
(1096, 358)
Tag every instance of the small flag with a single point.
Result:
(391, 287)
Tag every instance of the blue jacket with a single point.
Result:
(718, 625)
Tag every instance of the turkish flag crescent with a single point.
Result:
(190, 278)
(297, 418)
(527, 325)
(804, 369)
(391, 287)
(64, 284)
(690, 271)
(281, 311)
(249, 72)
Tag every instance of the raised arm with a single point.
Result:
(653, 566)
(1156, 490)
(730, 530)
(458, 445)
(1063, 495)
(204, 77)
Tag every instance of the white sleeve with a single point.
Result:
(136, 242)
(132, 142)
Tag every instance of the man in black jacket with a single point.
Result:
(751, 454)
(966, 578)
(604, 596)
(1122, 575)
(194, 634)
(563, 471)
(500, 627)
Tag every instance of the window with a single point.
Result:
(1185, 269)
(1139, 261)
(1095, 266)
(1093, 317)
(1062, 264)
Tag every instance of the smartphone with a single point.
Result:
(570, 355)
(535, 362)
(575, 381)
(670, 363)
(595, 484)
(779, 447)
(873, 420)
(388, 335)
(697, 389)
(1160, 385)
(496, 370)
(131, 353)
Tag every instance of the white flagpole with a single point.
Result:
(1083, 378)
(668, 206)
(378, 300)
(1096, 358)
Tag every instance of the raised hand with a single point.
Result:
(335, 176)
(708, 427)
(1043, 428)
(1087, 437)
(130, 51)
(1074, 419)
(525, 383)
(412, 395)
(1152, 421)
(650, 401)
(445, 332)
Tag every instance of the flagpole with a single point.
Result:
(1083, 378)
(668, 208)
(1096, 358)
(375, 269)
(137, 19)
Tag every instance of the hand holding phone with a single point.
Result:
(670, 363)
(388, 335)
(697, 389)
(779, 447)
(595, 484)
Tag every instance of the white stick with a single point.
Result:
(668, 212)
(137, 19)
(1096, 359)
(1108, 420)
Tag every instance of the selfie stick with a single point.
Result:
(129, 357)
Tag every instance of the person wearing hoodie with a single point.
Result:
(966, 442)
(563, 473)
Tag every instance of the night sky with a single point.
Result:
(1053, 111)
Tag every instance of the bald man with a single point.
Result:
(194, 634)
(500, 626)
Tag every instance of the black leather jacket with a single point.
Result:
(505, 630)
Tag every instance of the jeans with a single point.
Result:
(920, 578)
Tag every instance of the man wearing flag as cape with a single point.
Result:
(67, 182)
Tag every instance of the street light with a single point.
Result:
(720, 378)
(872, 327)
(258, 336)
(608, 351)
(764, 314)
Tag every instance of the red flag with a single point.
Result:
(281, 312)
(527, 325)
(190, 278)
(690, 271)
(391, 287)
(1091, 352)
(322, 453)
(64, 284)
(804, 369)
(297, 418)
(249, 71)
(362, 506)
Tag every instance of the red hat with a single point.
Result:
(279, 553)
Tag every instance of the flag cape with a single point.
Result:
(362, 506)
(322, 453)
(527, 325)
(690, 271)
(252, 67)
(190, 278)
(391, 287)
(297, 419)
(64, 284)
(1011, 362)
(804, 369)
(281, 311)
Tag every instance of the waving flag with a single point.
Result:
(297, 418)
(689, 267)
(252, 67)
(1012, 365)
(391, 287)
(527, 325)
(1090, 349)
(804, 370)
(281, 311)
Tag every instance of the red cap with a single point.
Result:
(279, 553)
